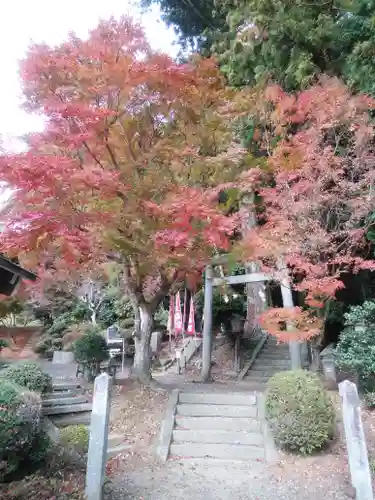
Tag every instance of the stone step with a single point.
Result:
(58, 401)
(208, 410)
(264, 373)
(57, 410)
(219, 451)
(115, 440)
(83, 417)
(277, 357)
(258, 380)
(64, 394)
(275, 348)
(217, 423)
(218, 399)
(117, 450)
(66, 386)
(279, 363)
(217, 437)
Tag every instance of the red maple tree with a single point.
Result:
(317, 192)
(125, 169)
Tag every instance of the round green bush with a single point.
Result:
(3, 344)
(20, 428)
(91, 348)
(76, 437)
(29, 375)
(299, 411)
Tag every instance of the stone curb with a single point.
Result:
(249, 364)
(167, 426)
(271, 452)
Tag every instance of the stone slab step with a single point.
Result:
(257, 380)
(271, 363)
(115, 440)
(57, 410)
(117, 450)
(217, 423)
(65, 386)
(273, 357)
(58, 401)
(220, 451)
(201, 410)
(218, 399)
(71, 419)
(217, 437)
(64, 394)
(258, 372)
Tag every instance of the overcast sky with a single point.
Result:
(48, 21)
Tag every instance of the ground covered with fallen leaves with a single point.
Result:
(56, 480)
(137, 413)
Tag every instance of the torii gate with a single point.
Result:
(210, 282)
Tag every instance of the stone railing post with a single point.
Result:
(355, 441)
(97, 454)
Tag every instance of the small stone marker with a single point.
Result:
(156, 338)
(97, 453)
(355, 441)
(329, 369)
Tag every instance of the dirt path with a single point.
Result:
(225, 481)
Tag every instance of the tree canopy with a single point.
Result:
(128, 167)
(194, 21)
(281, 41)
(317, 192)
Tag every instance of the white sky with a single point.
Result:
(48, 21)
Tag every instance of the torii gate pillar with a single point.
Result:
(207, 324)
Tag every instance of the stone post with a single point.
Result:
(97, 454)
(355, 441)
(207, 324)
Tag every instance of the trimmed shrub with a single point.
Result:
(20, 428)
(75, 437)
(3, 344)
(91, 348)
(356, 345)
(299, 411)
(29, 375)
(77, 331)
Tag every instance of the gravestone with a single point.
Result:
(97, 453)
(156, 339)
(355, 441)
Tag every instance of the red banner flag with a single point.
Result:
(191, 324)
(178, 315)
(171, 315)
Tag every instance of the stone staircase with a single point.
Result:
(216, 426)
(70, 404)
(67, 404)
(272, 359)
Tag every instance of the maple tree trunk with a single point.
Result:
(142, 358)
(254, 291)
